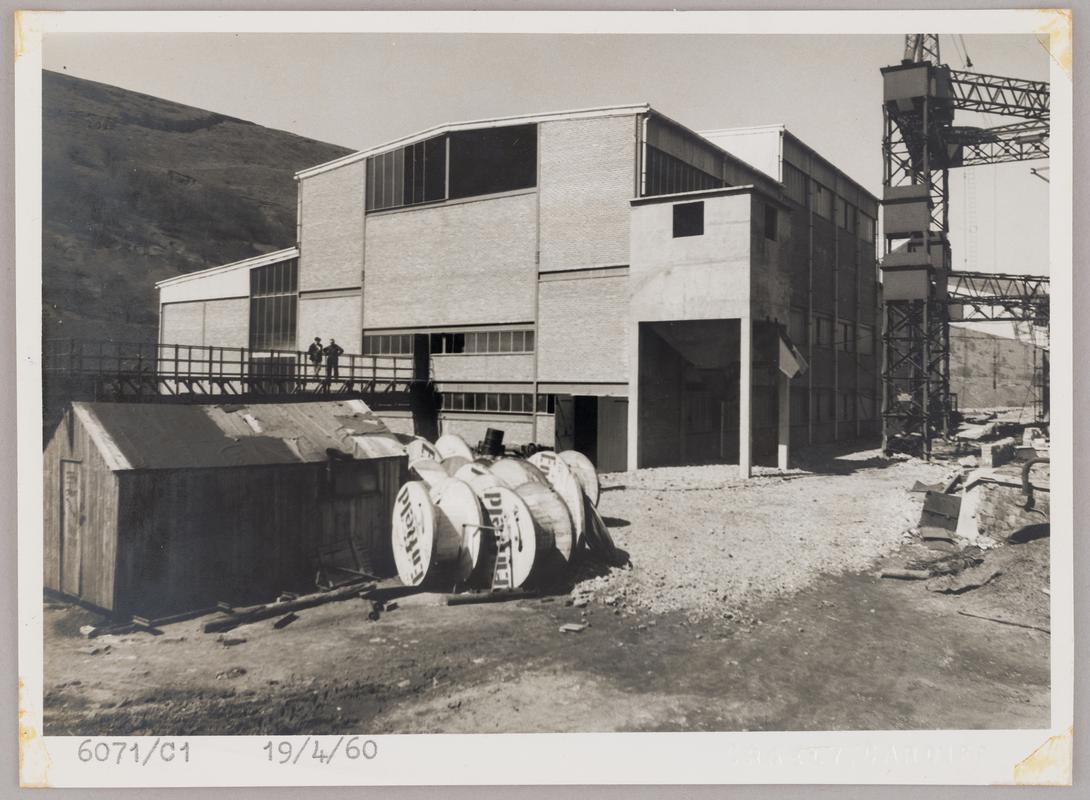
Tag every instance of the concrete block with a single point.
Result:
(906, 283)
(995, 454)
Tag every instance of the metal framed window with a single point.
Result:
(497, 402)
(416, 173)
(274, 298)
(667, 174)
(490, 342)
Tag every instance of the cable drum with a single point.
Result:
(458, 531)
(513, 472)
(451, 464)
(429, 471)
(478, 476)
(451, 444)
(419, 447)
(585, 473)
(564, 482)
(551, 516)
(516, 535)
(413, 533)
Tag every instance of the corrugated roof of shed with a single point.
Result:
(165, 436)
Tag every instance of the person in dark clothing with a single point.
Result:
(314, 354)
(332, 354)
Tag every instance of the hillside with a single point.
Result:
(137, 189)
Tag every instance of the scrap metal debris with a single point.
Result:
(972, 578)
(950, 564)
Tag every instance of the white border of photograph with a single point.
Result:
(926, 757)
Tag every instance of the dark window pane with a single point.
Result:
(493, 342)
(493, 160)
(529, 341)
(505, 402)
(459, 343)
(505, 341)
(688, 219)
(435, 169)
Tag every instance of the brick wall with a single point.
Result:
(330, 317)
(223, 323)
(989, 371)
(227, 322)
(460, 263)
(582, 328)
(331, 228)
(472, 367)
(587, 177)
(182, 323)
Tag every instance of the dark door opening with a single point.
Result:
(595, 426)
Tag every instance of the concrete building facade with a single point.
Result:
(605, 279)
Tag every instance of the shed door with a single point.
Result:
(612, 434)
(71, 522)
(564, 422)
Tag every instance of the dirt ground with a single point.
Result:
(745, 606)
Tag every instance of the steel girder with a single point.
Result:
(915, 375)
(997, 297)
(994, 94)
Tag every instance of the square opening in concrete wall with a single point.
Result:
(688, 219)
(688, 392)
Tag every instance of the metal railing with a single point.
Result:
(192, 371)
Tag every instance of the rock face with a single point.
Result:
(136, 189)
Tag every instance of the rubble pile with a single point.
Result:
(995, 497)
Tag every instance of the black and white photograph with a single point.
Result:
(505, 379)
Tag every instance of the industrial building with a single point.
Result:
(604, 279)
(159, 508)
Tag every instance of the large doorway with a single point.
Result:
(595, 426)
(688, 392)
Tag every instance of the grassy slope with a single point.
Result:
(137, 189)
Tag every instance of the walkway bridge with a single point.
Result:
(179, 373)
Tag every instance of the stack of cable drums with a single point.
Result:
(499, 523)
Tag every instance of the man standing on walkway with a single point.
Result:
(332, 354)
(314, 354)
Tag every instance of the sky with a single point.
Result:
(360, 90)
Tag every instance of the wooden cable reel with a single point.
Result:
(513, 472)
(516, 535)
(459, 520)
(413, 533)
(451, 464)
(429, 471)
(419, 447)
(563, 480)
(451, 444)
(551, 516)
(584, 471)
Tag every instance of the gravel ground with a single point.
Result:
(701, 540)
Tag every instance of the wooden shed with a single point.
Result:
(152, 509)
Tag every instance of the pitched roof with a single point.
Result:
(167, 436)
